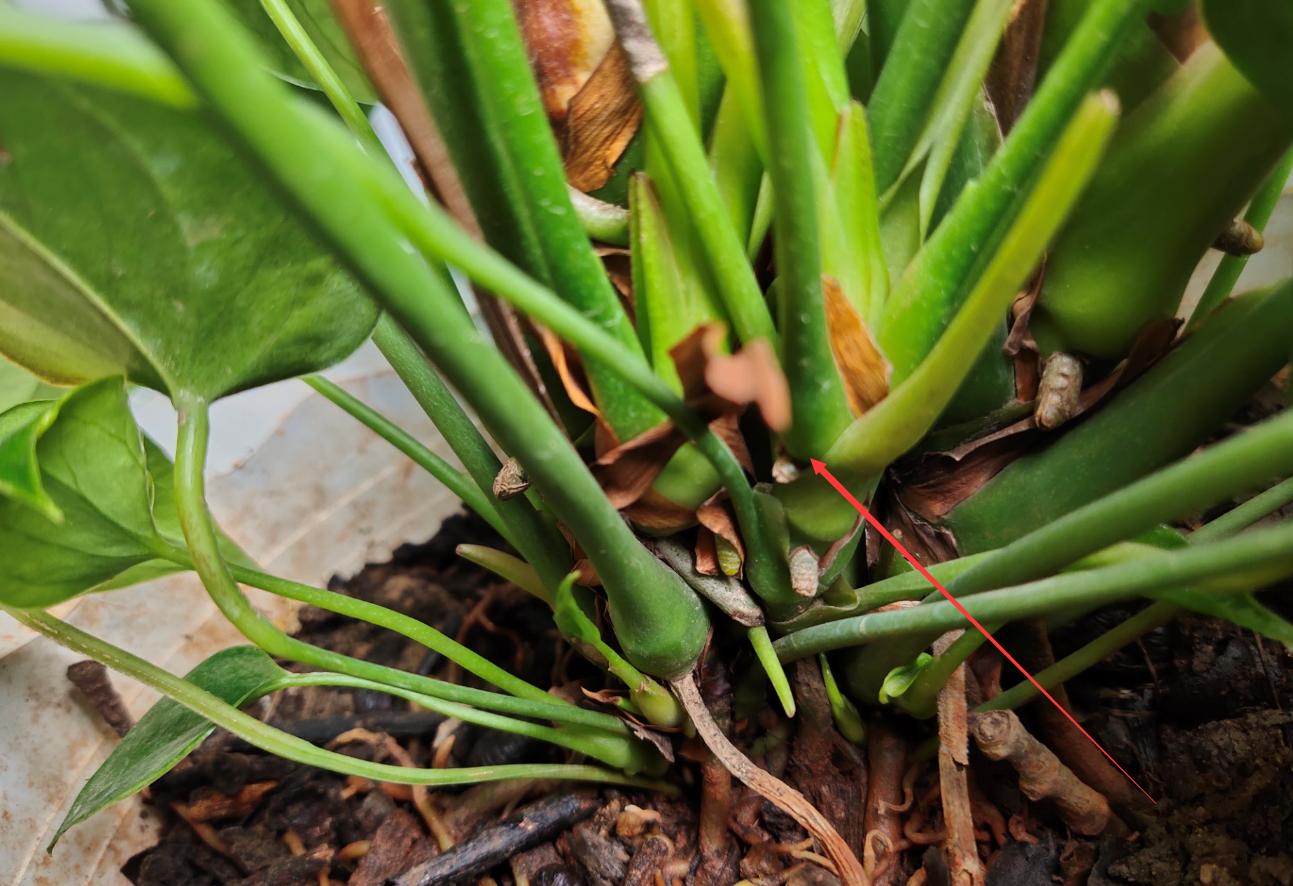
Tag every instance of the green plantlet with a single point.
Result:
(823, 215)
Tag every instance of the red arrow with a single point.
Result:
(820, 468)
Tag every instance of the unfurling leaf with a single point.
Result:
(159, 255)
(21, 427)
(168, 732)
(900, 678)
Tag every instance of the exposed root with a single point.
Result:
(914, 830)
(908, 790)
(1000, 736)
(987, 813)
(953, 766)
(846, 863)
(1073, 748)
(887, 764)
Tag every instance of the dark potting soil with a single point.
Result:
(1197, 713)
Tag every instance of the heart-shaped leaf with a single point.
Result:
(110, 488)
(158, 255)
(20, 428)
(168, 732)
(93, 469)
(1256, 35)
(324, 31)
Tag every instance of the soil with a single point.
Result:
(1201, 713)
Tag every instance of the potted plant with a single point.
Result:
(828, 337)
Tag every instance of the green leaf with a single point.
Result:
(93, 468)
(17, 385)
(1255, 35)
(1240, 609)
(901, 678)
(158, 255)
(20, 428)
(325, 32)
(168, 732)
(161, 471)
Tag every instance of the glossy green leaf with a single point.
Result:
(1255, 35)
(21, 427)
(168, 732)
(17, 385)
(902, 677)
(161, 471)
(325, 32)
(158, 255)
(93, 468)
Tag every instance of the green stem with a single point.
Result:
(111, 54)
(406, 443)
(298, 40)
(1226, 469)
(902, 418)
(1224, 278)
(1238, 463)
(275, 741)
(670, 122)
(538, 543)
(926, 297)
(601, 220)
(1246, 514)
(409, 627)
(439, 706)
(206, 560)
(1089, 655)
(820, 411)
(507, 567)
(395, 345)
(1235, 564)
(1152, 616)
(512, 108)
(767, 657)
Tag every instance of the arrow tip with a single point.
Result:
(818, 466)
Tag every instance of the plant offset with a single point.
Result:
(937, 245)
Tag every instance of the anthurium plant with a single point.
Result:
(938, 246)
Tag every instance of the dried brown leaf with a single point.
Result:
(657, 515)
(569, 369)
(719, 383)
(706, 552)
(567, 40)
(601, 120)
(1013, 72)
(716, 516)
(627, 471)
(862, 367)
